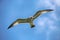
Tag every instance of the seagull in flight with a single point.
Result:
(30, 19)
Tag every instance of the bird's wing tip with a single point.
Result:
(50, 9)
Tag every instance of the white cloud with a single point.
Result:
(40, 26)
(53, 16)
(57, 2)
(46, 22)
(52, 27)
(41, 23)
(45, 3)
(48, 4)
(50, 22)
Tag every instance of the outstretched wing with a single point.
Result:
(14, 23)
(41, 12)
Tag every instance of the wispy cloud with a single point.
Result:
(44, 23)
(49, 4)
(53, 16)
(57, 2)
(47, 22)
(44, 3)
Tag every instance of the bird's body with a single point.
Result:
(30, 19)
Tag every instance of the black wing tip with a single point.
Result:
(50, 9)
(8, 28)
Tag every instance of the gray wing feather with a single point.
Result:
(41, 12)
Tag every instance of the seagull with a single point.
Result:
(30, 19)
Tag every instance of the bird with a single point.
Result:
(30, 19)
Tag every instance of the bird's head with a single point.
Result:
(31, 17)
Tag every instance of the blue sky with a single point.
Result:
(47, 26)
